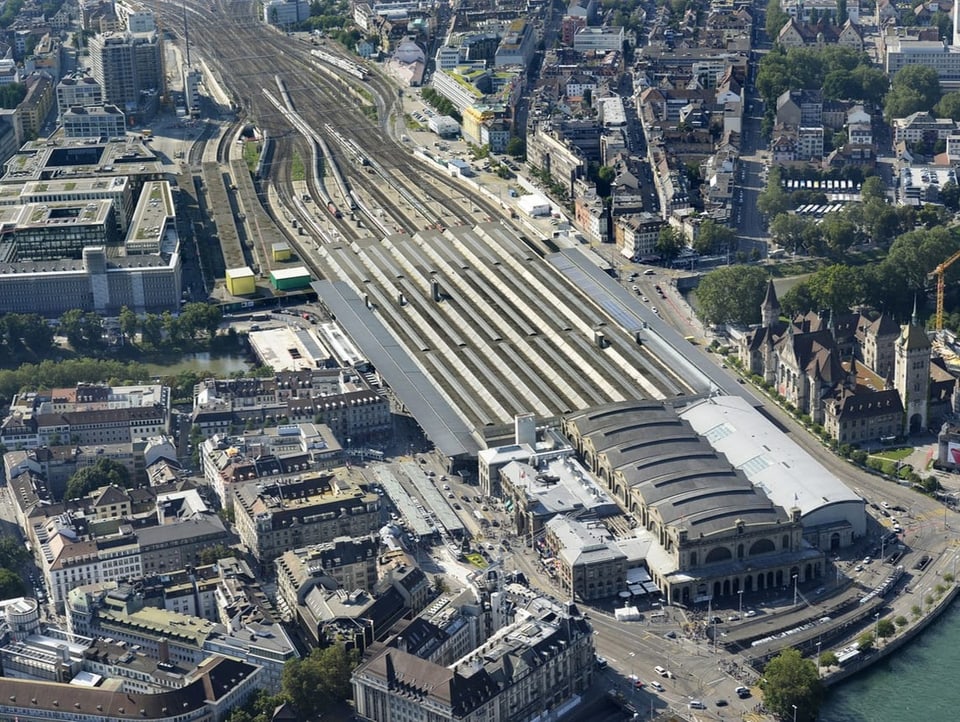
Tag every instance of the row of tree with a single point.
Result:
(892, 285)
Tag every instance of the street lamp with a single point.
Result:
(740, 611)
(794, 712)
(796, 577)
(876, 627)
(818, 659)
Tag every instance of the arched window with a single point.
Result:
(718, 554)
(762, 546)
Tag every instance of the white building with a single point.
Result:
(191, 89)
(601, 39)
(285, 12)
(104, 121)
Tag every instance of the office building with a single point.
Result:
(76, 91)
(126, 65)
(100, 121)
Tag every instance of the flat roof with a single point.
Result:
(79, 157)
(66, 213)
(153, 214)
(288, 349)
(288, 273)
(69, 186)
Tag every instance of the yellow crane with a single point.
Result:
(940, 272)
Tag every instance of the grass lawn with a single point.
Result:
(297, 170)
(251, 155)
(894, 454)
(477, 560)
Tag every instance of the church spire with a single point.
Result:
(770, 308)
(913, 316)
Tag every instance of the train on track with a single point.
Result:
(348, 66)
(334, 211)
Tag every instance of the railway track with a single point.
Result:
(243, 48)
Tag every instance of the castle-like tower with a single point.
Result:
(911, 375)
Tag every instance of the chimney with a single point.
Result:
(163, 649)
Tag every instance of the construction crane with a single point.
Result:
(940, 272)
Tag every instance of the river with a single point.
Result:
(915, 683)
(218, 365)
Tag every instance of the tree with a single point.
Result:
(865, 641)
(885, 628)
(914, 88)
(776, 19)
(128, 323)
(873, 188)
(516, 147)
(11, 585)
(950, 195)
(773, 200)
(788, 230)
(732, 294)
(311, 683)
(103, 472)
(949, 106)
(669, 243)
(12, 94)
(714, 238)
(211, 555)
(789, 680)
(900, 621)
(836, 288)
(828, 659)
(151, 331)
(13, 554)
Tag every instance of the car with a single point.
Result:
(696, 704)
(670, 635)
(635, 289)
(637, 683)
(750, 613)
(867, 560)
(661, 671)
(721, 703)
(451, 495)
(743, 692)
(645, 299)
(859, 567)
(657, 686)
(446, 487)
(733, 618)
(465, 497)
(884, 504)
(716, 620)
(601, 663)
(457, 506)
(649, 272)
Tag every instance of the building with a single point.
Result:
(127, 65)
(78, 91)
(498, 680)
(636, 234)
(345, 563)
(589, 565)
(283, 13)
(517, 45)
(191, 89)
(217, 686)
(102, 121)
(35, 107)
(899, 52)
(598, 39)
(921, 127)
(714, 529)
(308, 509)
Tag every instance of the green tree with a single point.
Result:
(669, 243)
(714, 238)
(873, 188)
(828, 659)
(732, 294)
(790, 680)
(128, 323)
(13, 554)
(798, 299)
(950, 195)
(211, 555)
(944, 24)
(836, 288)
(605, 177)
(776, 19)
(312, 682)
(865, 641)
(788, 231)
(773, 200)
(949, 106)
(516, 147)
(151, 331)
(11, 585)
(885, 628)
(12, 94)
(900, 621)
(103, 472)
(914, 88)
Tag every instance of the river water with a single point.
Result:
(220, 365)
(916, 683)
